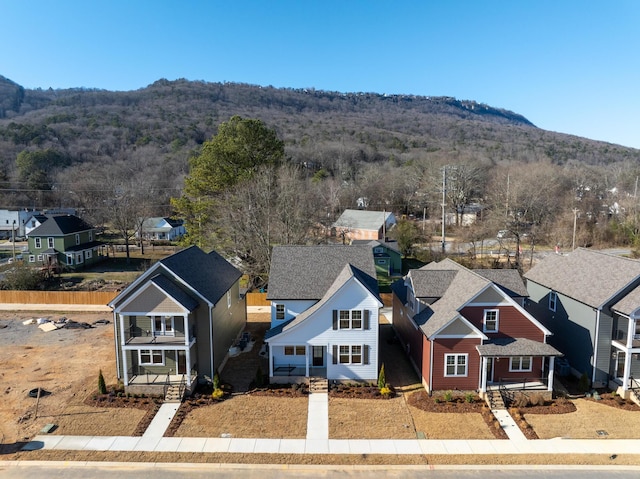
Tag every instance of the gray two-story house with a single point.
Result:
(591, 302)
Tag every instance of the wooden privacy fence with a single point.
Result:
(102, 298)
(57, 297)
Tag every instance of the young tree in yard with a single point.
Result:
(407, 234)
(239, 149)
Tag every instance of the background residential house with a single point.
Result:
(363, 225)
(324, 313)
(177, 321)
(589, 300)
(162, 228)
(66, 241)
(468, 330)
(386, 255)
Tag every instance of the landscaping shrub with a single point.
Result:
(584, 384)
(102, 387)
(448, 396)
(382, 380)
(469, 397)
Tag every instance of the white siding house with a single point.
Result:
(334, 336)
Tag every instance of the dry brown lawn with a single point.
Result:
(370, 419)
(450, 425)
(588, 418)
(249, 416)
(79, 420)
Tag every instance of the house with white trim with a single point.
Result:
(176, 322)
(324, 314)
(468, 329)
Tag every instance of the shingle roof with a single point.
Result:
(362, 219)
(347, 273)
(509, 280)
(506, 347)
(628, 304)
(588, 276)
(60, 226)
(169, 287)
(392, 245)
(209, 274)
(307, 272)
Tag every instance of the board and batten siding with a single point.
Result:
(317, 330)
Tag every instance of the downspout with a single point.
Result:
(115, 336)
(431, 368)
(211, 338)
(595, 347)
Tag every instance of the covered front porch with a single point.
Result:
(296, 363)
(516, 364)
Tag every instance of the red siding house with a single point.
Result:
(468, 330)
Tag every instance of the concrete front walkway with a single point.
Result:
(333, 446)
(318, 416)
(162, 419)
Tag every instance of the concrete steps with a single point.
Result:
(173, 394)
(495, 400)
(318, 385)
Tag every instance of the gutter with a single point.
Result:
(595, 348)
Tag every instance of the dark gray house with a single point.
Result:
(590, 301)
(177, 321)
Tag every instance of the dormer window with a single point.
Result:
(553, 299)
(490, 321)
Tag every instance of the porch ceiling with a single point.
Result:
(506, 347)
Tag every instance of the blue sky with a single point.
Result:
(571, 66)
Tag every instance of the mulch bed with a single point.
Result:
(358, 391)
(457, 404)
(118, 398)
(613, 400)
(282, 390)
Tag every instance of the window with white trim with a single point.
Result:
(280, 312)
(32, 258)
(350, 319)
(69, 259)
(163, 326)
(350, 354)
(152, 356)
(87, 254)
(38, 242)
(490, 321)
(378, 249)
(40, 257)
(50, 242)
(455, 364)
(553, 300)
(294, 351)
(520, 364)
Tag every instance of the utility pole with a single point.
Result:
(444, 183)
(575, 218)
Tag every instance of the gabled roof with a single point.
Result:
(630, 304)
(209, 274)
(348, 272)
(307, 272)
(588, 276)
(449, 286)
(509, 280)
(61, 225)
(158, 224)
(362, 219)
(392, 245)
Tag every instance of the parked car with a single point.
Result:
(503, 234)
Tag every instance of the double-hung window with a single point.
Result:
(280, 312)
(455, 364)
(151, 356)
(490, 321)
(520, 364)
(50, 242)
(350, 319)
(38, 242)
(553, 299)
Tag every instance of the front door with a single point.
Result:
(620, 364)
(489, 370)
(318, 356)
(182, 362)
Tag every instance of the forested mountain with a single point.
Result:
(55, 144)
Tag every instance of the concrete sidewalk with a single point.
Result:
(333, 446)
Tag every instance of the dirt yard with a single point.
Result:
(64, 362)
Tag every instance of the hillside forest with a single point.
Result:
(291, 160)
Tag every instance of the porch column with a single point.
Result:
(188, 359)
(627, 370)
(187, 333)
(483, 375)
(125, 373)
(631, 331)
(306, 359)
(552, 362)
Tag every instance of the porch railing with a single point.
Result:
(523, 383)
(289, 370)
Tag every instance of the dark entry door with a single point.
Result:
(318, 356)
(182, 362)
